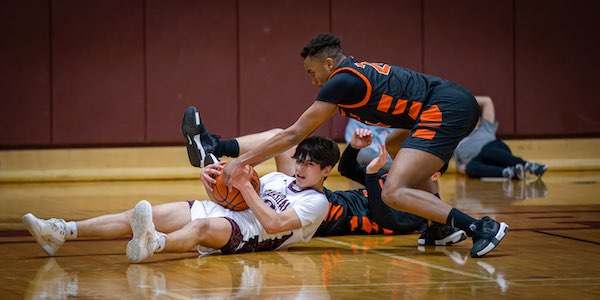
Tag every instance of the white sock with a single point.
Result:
(71, 231)
(162, 239)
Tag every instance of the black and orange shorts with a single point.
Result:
(450, 115)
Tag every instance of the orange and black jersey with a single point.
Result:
(362, 211)
(379, 94)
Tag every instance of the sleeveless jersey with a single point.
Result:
(394, 97)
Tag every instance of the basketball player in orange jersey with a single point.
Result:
(437, 112)
(288, 210)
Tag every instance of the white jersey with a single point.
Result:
(280, 193)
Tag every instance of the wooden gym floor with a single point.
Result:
(551, 251)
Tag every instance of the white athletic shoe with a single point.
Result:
(145, 239)
(50, 234)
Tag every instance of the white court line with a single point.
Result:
(410, 260)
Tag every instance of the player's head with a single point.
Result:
(315, 158)
(322, 55)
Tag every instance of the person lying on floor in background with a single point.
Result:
(482, 154)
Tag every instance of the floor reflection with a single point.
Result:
(276, 275)
(52, 282)
(461, 260)
(470, 194)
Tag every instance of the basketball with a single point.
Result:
(233, 199)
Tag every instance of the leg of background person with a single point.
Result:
(498, 153)
(476, 168)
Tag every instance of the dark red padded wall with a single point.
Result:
(389, 31)
(470, 42)
(557, 63)
(24, 73)
(191, 55)
(274, 86)
(98, 72)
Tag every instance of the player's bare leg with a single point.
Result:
(409, 187)
(167, 217)
(52, 233)
(209, 232)
(406, 190)
(394, 140)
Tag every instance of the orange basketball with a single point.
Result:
(233, 199)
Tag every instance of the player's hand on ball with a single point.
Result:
(210, 172)
(242, 179)
(232, 170)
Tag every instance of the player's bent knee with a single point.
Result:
(395, 197)
(199, 226)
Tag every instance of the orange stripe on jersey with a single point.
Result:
(375, 226)
(424, 134)
(369, 88)
(387, 231)
(353, 223)
(432, 114)
(339, 212)
(335, 212)
(400, 107)
(366, 224)
(415, 108)
(384, 103)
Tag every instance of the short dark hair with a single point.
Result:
(323, 45)
(321, 150)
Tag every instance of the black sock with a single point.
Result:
(460, 220)
(229, 148)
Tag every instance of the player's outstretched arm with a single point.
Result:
(311, 119)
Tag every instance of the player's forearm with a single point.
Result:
(267, 217)
(272, 147)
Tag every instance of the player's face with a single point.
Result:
(310, 174)
(318, 69)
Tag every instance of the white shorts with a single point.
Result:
(247, 233)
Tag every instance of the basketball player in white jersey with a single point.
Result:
(287, 210)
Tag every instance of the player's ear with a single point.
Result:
(329, 64)
(327, 171)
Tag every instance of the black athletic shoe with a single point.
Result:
(536, 169)
(487, 234)
(200, 144)
(441, 235)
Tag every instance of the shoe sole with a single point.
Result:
(189, 125)
(447, 241)
(141, 224)
(498, 237)
(31, 223)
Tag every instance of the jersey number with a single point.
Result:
(379, 67)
